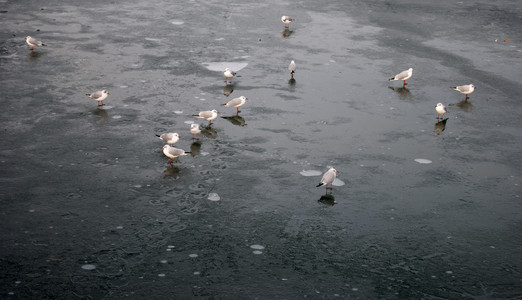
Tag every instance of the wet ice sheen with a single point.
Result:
(310, 173)
(88, 267)
(423, 161)
(257, 247)
(213, 197)
(221, 66)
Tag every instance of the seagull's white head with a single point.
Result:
(105, 92)
(166, 147)
(215, 111)
(440, 105)
(243, 98)
(194, 126)
(333, 170)
(227, 70)
(27, 37)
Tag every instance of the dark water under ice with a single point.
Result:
(90, 208)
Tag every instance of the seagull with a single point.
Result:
(99, 96)
(194, 129)
(170, 138)
(33, 42)
(228, 75)
(328, 178)
(464, 89)
(291, 68)
(208, 115)
(236, 102)
(441, 110)
(404, 75)
(173, 152)
(287, 20)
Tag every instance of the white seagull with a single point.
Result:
(291, 68)
(228, 74)
(33, 42)
(287, 20)
(441, 110)
(99, 96)
(328, 178)
(208, 115)
(236, 102)
(464, 89)
(404, 75)
(170, 138)
(173, 152)
(194, 129)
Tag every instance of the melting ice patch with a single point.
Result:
(423, 161)
(178, 112)
(177, 22)
(257, 247)
(213, 197)
(189, 122)
(221, 66)
(310, 173)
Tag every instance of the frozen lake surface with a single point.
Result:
(421, 210)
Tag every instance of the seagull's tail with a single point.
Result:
(195, 115)
(224, 104)
(393, 78)
(320, 184)
(44, 44)
(157, 135)
(88, 95)
(453, 87)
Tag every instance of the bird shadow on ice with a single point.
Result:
(172, 170)
(465, 105)
(402, 92)
(327, 199)
(286, 33)
(291, 82)
(236, 120)
(195, 148)
(34, 54)
(440, 126)
(229, 88)
(208, 131)
(101, 113)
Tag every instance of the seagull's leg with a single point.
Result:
(467, 97)
(238, 111)
(171, 161)
(404, 83)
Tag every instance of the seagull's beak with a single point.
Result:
(336, 171)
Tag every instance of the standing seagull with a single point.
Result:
(287, 20)
(236, 102)
(328, 178)
(208, 115)
(229, 75)
(291, 68)
(173, 152)
(464, 89)
(170, 138)
(99, 96)
(404, 75)
(194, 129)
(33, 42)
(441, 110)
